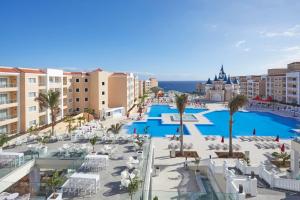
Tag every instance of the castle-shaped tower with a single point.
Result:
(222, 88)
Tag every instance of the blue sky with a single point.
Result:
(170, 39)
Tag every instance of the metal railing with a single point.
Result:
(8, 85)
(7, 101)
(3, 118)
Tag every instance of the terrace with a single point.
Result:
(70, 155)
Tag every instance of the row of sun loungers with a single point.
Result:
(212, 138)
(257, 138)
(271, 145)
(223, 147)
(177, 146)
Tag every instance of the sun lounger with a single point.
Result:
(259, 145)
(218, 147)
(211, 146)
(225, 147)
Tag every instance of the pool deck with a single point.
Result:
(171, 169)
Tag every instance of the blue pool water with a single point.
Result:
(156, 128)
(266, 124)
(157, 110)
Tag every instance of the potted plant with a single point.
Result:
(53, 183)
(93, 142)
(3, 140)
(133, 186)
(155, 198)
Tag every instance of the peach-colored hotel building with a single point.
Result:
(108, 94)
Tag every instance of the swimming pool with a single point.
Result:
(156, 128)
(157, 110)
(266, 124)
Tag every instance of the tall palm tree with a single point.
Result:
(181, 102)
(234, 105)
(70, 120)
(50, 100)
(115, 128)
(90, 111)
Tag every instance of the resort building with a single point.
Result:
(141, 88)
(33, 82)
(222, 88)
(276, 84)
(106, 94)
(293, 83)
(90, 91)
(9, 100)
(147, 86)
(252, 86)
(153, 82)
(200, 88)
(121, 90)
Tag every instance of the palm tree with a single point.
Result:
(234, 105)
(3, 140)
(90, 111)
(80, 119)
(181, 101)
(115, 128)
(156, 90)
(140, 109)
(50, 101)
(284, 156)
(93, 142)
(54, 181)
(70, 120)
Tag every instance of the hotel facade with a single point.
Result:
(281, 84)
(107, 94)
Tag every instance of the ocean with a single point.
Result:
(181, 86)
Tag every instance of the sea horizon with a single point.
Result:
(181, 86)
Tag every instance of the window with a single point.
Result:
(70, 90)
(103, 83)
(70, 110)
(3, 82)
(32, 108)
(103, 93)
(77, 80)
(103, 102)
(77, 99)
(3, 98)
(86, 99)
(32, 80)
(86, 89)
(32, 123)
(77, 89)
(32, 94)
(3, 129)
(77, 109)
(86, 80)
(70, 100)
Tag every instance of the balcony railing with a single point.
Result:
(7, 101)
(8, 85)
(3, 118)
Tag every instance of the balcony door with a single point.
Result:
(3, 114)
(3, 129)
(3, 82)
(3, 98)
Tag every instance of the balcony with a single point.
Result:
(4, 120)
(6, 103)
(8, 87)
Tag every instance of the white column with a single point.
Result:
(18, 102)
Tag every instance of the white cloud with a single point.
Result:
(290, 32)
(239, 43)
(247, 49)
(291, 49)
